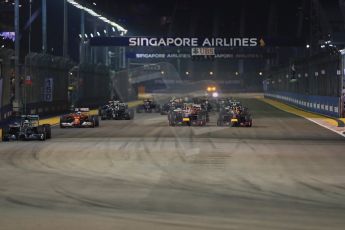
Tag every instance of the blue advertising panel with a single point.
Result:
(318, 104)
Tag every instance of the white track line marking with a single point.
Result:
(341, 133)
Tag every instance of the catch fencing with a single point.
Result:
(51, 85)
(44, 89)
(314, 84)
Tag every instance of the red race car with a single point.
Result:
(80, 118)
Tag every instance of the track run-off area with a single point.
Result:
(285, 172)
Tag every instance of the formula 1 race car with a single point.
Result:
(205, 102)
(28, 128)
(234, 117)
(148, 106)
(234, 103)
(222, 103)
(190, 115)
(173, 104)
(116, 110)
(80, 118)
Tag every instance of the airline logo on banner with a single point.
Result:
(194, 42)
(177, 42)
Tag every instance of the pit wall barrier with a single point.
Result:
(324, 105)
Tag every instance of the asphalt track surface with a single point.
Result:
(283, 173)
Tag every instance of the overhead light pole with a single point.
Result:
(44, 26)
(82, 32)
(16, 102)
(28, 74)
(65, 29)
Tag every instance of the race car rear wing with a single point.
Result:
(82, 110)
(30, 117)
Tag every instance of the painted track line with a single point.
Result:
(306, 115)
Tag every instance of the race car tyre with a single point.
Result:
(203, 123)
(44, 137)
(172, 119)
(93, 121)
(41, 130)
(171, 123)
(5, 136)
(96, 121)
(48, 131)
(61, 121)
(21, 138)
(220, 122)
(131, 114)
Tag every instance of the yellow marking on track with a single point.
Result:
(299, 112)
(56, 120)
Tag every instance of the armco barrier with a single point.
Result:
(328, 106)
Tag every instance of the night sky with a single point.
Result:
(174, 18)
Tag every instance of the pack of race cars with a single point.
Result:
(179, 111)
(195, 112)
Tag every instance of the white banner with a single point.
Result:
(48, 90)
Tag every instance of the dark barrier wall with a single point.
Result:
(45, 84)
(313, 84)
(320, 75)
(45, 91)
(7, 74)
(94, 83)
